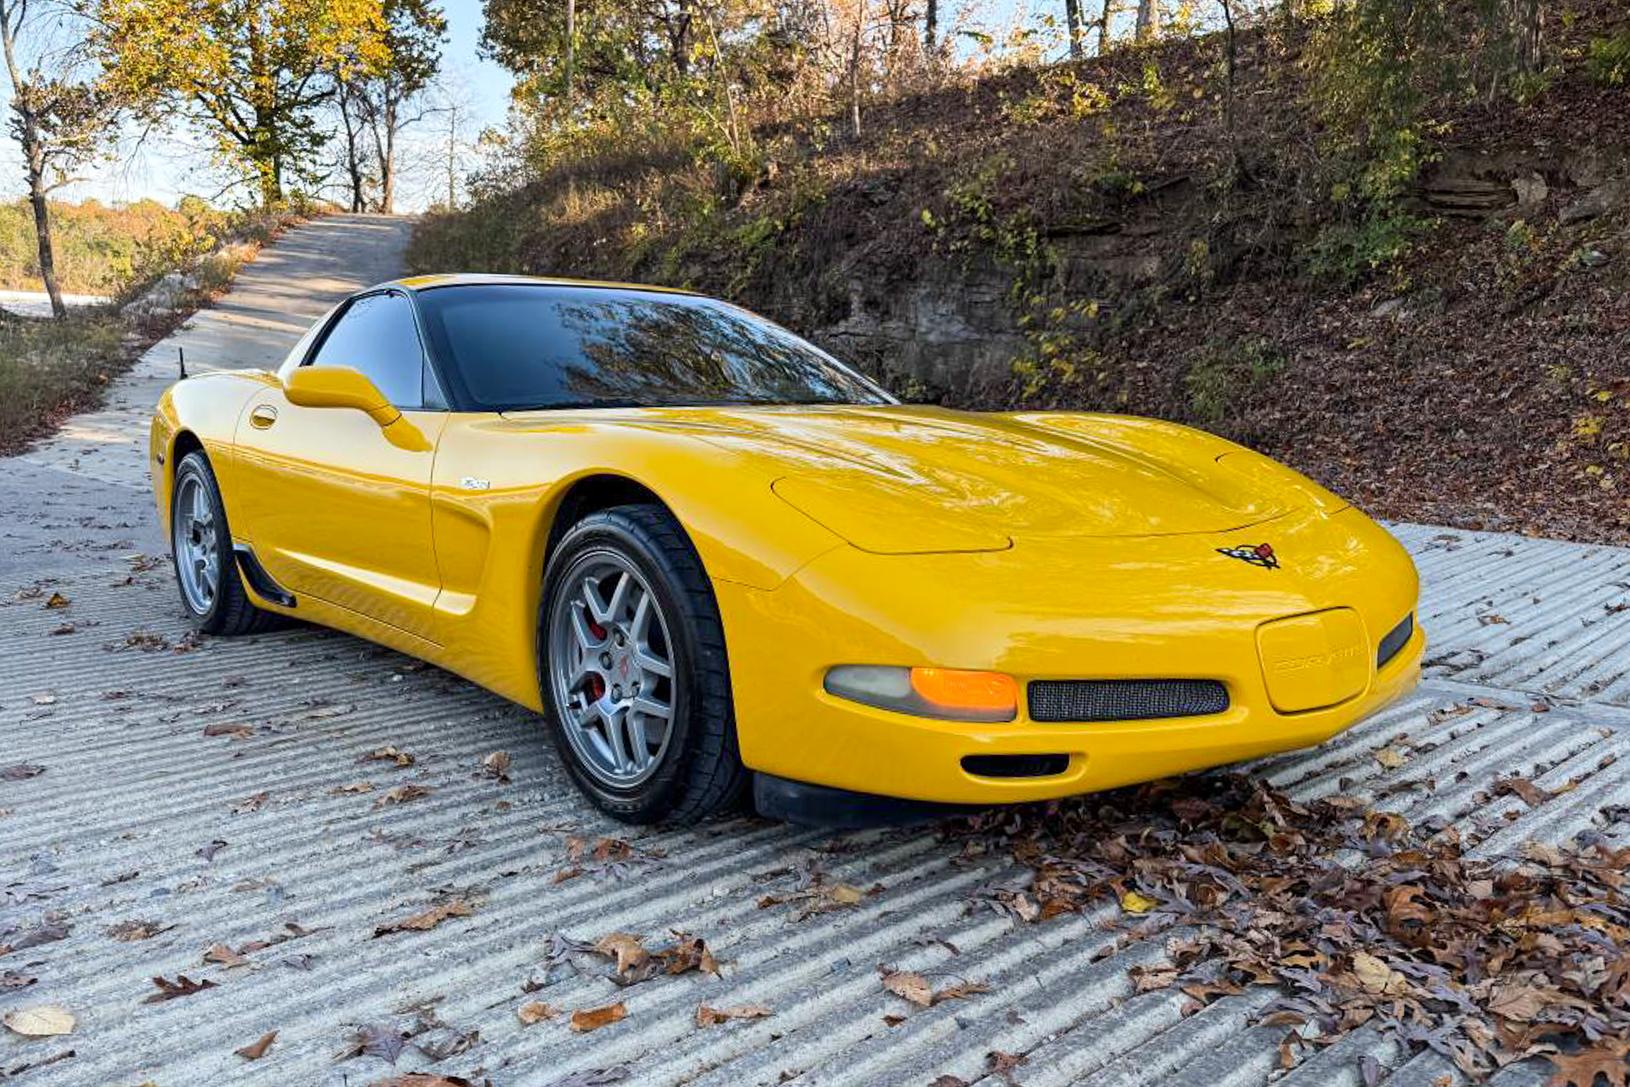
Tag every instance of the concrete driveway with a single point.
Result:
(219, 792)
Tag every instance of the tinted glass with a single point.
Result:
(376, 335)
(518, 346)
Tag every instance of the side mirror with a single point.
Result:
(339, 387)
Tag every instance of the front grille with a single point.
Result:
(1396, 639)
(1015, 766)
(1124, 699)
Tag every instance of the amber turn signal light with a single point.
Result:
(950, 694)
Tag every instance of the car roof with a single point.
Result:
(462, 279)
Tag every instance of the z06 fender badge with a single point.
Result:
(1260, 555)
(470, 483)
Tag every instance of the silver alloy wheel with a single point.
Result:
(197, 544)
(611, 669)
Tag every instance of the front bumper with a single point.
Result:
(1157, 608)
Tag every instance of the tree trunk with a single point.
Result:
(42, 220)
(1527, 34)
(854, 69)
(1103, 26)
(353, 157)
(28, 129)
(571, 49)
(1148, 20)
(931, 26)
(1072, 23)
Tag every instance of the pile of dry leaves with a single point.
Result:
(1358, 916)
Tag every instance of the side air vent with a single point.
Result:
(1124, 699)
(259, 580)
(1015, 766)
(1396, 639)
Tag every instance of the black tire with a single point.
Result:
(228, 610)
(700, 772)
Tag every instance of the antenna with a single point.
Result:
(181, 361)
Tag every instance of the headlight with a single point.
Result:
(947, 693)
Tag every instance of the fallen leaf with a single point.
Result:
(354, 787)
(948, 1080)
(422, 1079)
(1390, 758)
(1004, 1064)
(131, 931)
(382, 1040)
(20, 771)
(221, 955)
(402, 794)
(249, 804)
(587, 1019)
(710, 1017)
(40, 1021)
(389, 754)
(1135, 903)
(688, 953)
(910, 986)
(961, 991)
(1606, 1059)
(1522, 1003)
(1376, 976)
(535, 1011)
(181, 986)
(56, 601)
(257, 1049)
(47, 932)
(427, 920)
(624, 947)
(236, 732)
(845, 894)
(496, 766)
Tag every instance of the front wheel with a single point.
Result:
(201, 544)
(633, 668)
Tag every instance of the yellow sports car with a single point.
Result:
(722, 563)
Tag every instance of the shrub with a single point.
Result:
(1223, 376)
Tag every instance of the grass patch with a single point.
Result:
(1224, 376)
(49, 369)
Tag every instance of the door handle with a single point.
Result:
(263, 416)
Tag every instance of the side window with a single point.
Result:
(376, 335)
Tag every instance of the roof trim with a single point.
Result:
(464, 279)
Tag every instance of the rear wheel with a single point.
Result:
(201, 544)
(633, 668)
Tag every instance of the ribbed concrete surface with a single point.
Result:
(133, 791)
(141, 816)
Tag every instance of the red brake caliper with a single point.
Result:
(597, 685)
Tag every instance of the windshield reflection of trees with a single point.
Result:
(684, 352)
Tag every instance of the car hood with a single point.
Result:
(903, 480)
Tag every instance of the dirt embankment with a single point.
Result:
(1101, 236)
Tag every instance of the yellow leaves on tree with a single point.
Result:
(251, 70)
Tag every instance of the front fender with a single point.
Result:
(497, 489)
(200, 411)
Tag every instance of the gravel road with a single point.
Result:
(202, 793)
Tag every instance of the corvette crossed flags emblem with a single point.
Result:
(1261, 555)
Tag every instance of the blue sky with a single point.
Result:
(166, 166)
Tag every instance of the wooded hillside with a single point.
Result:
(1383, 243)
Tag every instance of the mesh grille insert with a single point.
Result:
(1395, 640)
(1124, 699)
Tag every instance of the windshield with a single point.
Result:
(517, 346)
